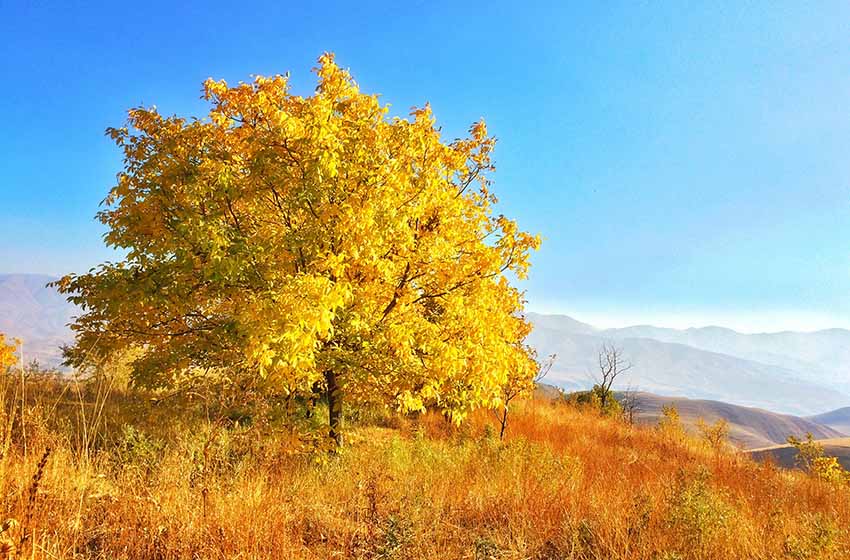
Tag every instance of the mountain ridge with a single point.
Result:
(37, 314)
(686, 329)
(666, 365)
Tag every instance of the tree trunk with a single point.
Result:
(334, 407)
(504, 422)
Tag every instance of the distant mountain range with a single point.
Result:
(787, 372)
(38, 315)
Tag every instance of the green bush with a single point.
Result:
(136, 449)
(817, 538)
(598, 398)
(697, 511)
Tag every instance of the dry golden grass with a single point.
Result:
(566, 483)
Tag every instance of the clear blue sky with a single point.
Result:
(685, 163)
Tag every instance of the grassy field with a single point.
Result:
(94, 473)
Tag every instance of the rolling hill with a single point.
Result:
(749, 428)
(838, 419)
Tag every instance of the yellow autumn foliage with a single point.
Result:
(7, 353)
(285, 237)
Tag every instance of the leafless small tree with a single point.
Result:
(612, 365)
(516, 387)
(630, 404)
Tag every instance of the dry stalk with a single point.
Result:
(26, 533)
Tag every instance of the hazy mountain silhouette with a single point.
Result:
(820, 356)
(35, 313)
(791, 380)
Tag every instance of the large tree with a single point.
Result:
(308, 242)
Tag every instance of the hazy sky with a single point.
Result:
(685, 164)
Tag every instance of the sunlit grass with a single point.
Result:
(566, 483)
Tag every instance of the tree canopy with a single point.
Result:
(308, 241)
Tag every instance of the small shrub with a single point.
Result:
(671, 423)
(697, 511)
(715, 435)
(599, 399)
(807, 451)
(395, 533)
(818, 538)
(811, 458)
(136, 449)
(830, 470)
(486, 549)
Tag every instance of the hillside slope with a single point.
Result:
(749, 428)
(564, 483)
(838, 419)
